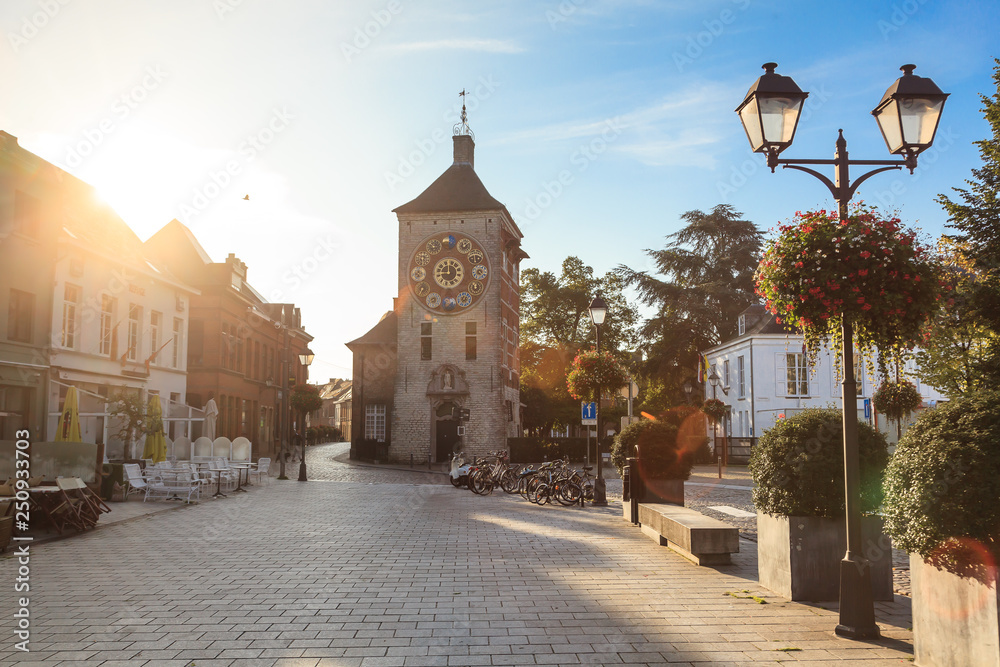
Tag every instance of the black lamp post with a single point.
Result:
(598, 310)
(688, 388)
(908, 116)
(306, 358)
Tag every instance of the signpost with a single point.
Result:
(588, 418)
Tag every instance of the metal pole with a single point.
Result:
(600, 487)
(857, 605)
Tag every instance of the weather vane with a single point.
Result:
(463, 127)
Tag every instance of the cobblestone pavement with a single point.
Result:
(367, 574)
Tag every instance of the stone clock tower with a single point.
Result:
(457, 317)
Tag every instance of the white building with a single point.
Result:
(765, 376)
(119, 323)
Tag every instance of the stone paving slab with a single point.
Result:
(328, 573)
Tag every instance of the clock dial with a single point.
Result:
(448, 272)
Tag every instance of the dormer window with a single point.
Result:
(742, 324)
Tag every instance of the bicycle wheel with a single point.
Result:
(540, 495)
(477, 483)
(508, 481)
(456, 481)
(568, 493)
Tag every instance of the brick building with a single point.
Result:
(450, 343)
(242, 351)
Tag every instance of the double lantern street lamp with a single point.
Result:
(908, 117)
(305, 358)
(598, 310)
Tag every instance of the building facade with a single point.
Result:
(765, 375)
(453, 355)
(242, 351)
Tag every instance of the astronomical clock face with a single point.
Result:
(448, 273)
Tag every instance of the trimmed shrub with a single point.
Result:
(798, 466)
(662, 453)
(943, 485)
(536, 449)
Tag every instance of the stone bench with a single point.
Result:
(701, 539)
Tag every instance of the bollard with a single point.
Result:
(411, 459)
(634, 488)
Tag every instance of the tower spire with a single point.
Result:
(463, 128)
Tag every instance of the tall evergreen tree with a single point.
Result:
(703, 280)
(976, 219)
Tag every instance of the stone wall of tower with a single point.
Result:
(413, 415)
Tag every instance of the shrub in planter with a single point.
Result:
(942, 490)
(798, 472)
(665, 458)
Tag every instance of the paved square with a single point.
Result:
(339, 573)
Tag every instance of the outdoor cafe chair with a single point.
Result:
(134, 481)
(260, 472)
(86, 511)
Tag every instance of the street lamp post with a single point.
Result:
(688, 388)
(716, 381)
(598, 310)
(306, 358)
(908, 117)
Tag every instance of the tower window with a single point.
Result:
(470, 341)
(425, 341)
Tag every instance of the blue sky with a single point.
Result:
(598, 122)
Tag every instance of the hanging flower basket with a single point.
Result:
(866, 270)
(897, 399)
(593, 371)
(715, 409)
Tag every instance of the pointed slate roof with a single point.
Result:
(457, 189)
(383, 333)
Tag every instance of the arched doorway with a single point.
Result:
(446, 430)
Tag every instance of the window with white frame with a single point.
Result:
(175, 352)
(107, 323)
(741, 378)
(134, 331)
(792, 374)
(71, 297)
(742, 324)
(725, 373)
(375, 423)
(859, 376)
(155, 326)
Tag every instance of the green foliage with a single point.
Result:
(305, 398)
(867, 270)
(536, 449)
(715, 409)
(663, 455)
(896, 399)
(703, 280)
(595, 371)
(798, 466)
(943, 483)
(955, 353)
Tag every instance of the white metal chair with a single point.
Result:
(261, 471)
(134, 481)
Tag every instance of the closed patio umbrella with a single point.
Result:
(156, 440)
(69, 420)
(211, 414)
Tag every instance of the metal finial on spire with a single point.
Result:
(463, 127)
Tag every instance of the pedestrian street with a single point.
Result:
(363, 573)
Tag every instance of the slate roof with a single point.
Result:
(457, 189)
(383, 333)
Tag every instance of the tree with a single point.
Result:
(976, 219)
(128, 418)
(555, 327)
(703, 280)
(955, 352)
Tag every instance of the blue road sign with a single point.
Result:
(588, 414)
(868, 408)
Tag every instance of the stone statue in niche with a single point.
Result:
(447, 380)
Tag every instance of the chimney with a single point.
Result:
(465, 148)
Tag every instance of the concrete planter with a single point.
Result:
(799, 557)
(955, 619)
(658, 491)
